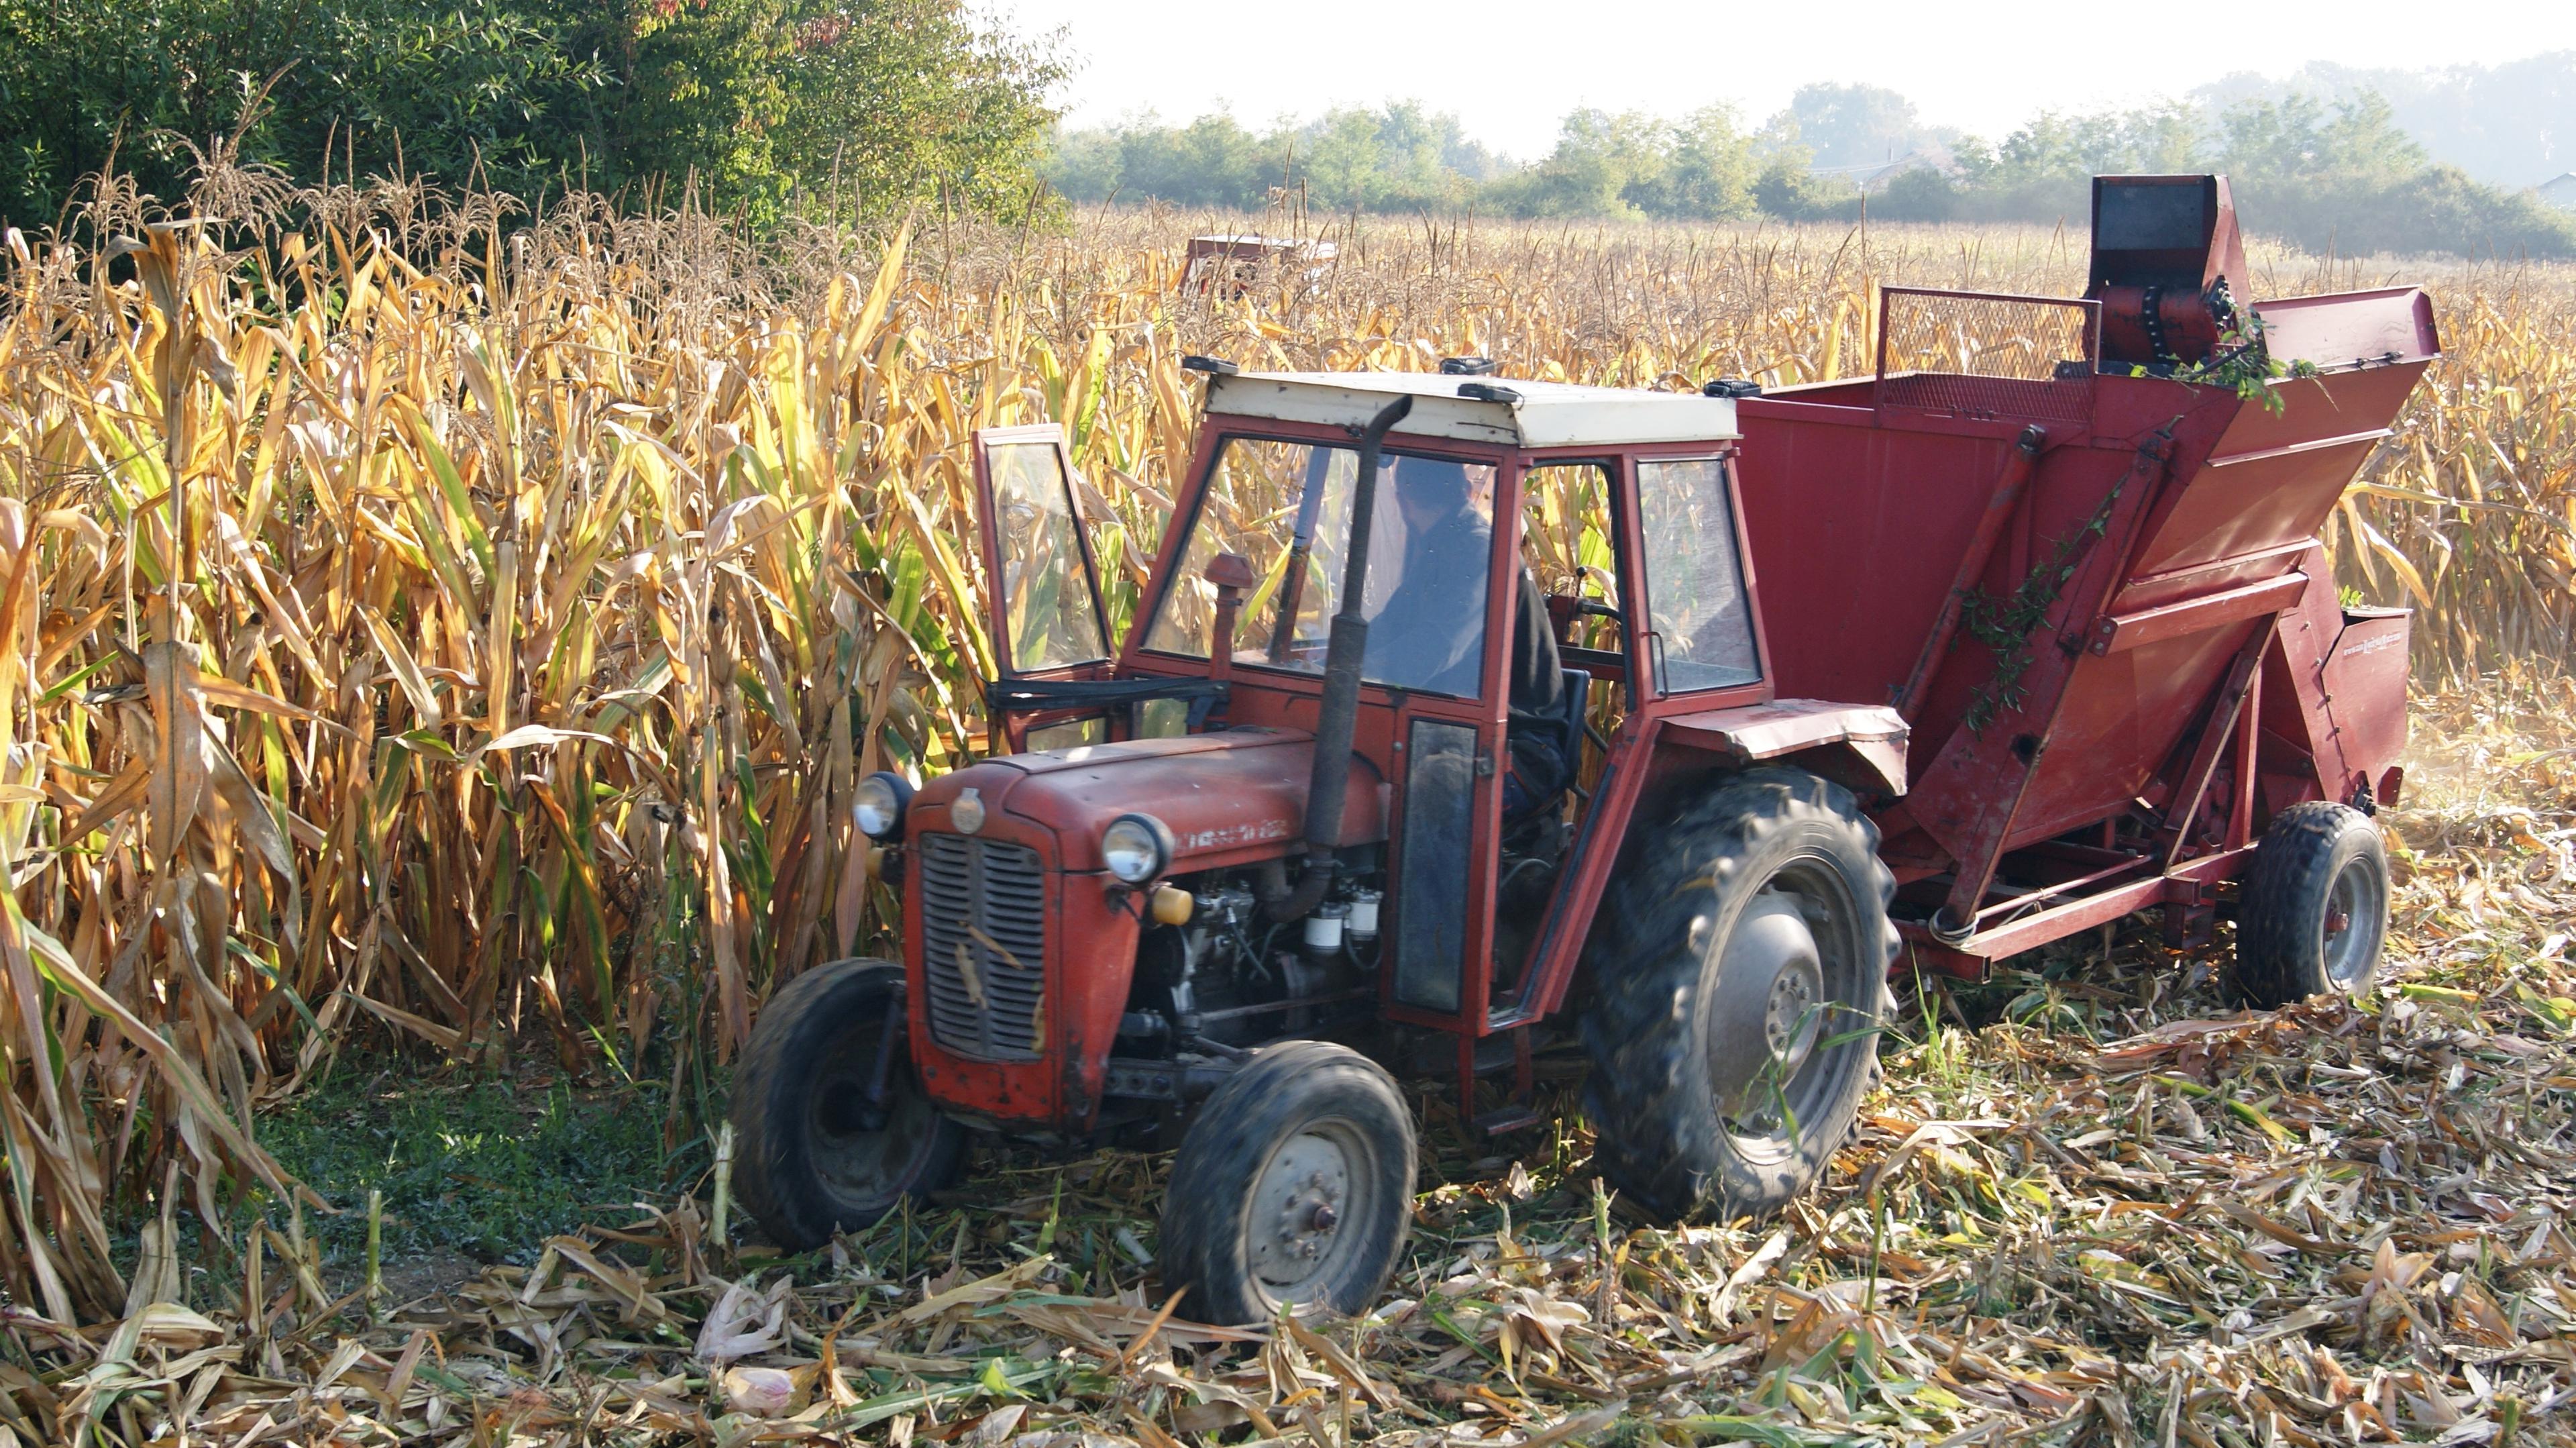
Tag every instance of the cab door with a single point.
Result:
(1451, 758)
(1045, 616)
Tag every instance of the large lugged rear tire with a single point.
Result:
(1293, 1188)
(2315, 909)
(812, 1154)
(1739, 969)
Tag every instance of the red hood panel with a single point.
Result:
(1228, 797)
(1091, 756)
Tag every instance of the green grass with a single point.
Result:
(487, 1167)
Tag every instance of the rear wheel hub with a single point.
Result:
(1769, 1005)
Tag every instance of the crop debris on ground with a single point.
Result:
(2092, 1203)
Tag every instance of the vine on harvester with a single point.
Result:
(2243, 363)
(2005, 624)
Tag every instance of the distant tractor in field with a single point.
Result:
(1915, 670)
(1227, 265)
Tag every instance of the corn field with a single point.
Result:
(414, 625)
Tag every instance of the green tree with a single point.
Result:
(1790, 190)
(1709, 172)
(1918, 193)
(1603, 165)
(1425, 159)
(2296, 137)
(763, 105)
(1345, 161)
(1211, 162)
(1852, 126)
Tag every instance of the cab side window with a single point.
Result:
(1694, 583)
(1566, 542)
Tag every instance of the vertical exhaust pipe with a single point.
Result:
(1343, 652)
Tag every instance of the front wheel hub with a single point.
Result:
(1297, 1210)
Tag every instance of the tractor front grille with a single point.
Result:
(983, 946)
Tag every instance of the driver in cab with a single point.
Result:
(1430, 632)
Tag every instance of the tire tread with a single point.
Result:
(1645, 973)
(1225, 1149)
(2286, 885)
(766, 1176)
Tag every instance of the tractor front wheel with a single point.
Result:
(831, 1130)
(1739, 970)
(2315, 909)
(1293, 1188)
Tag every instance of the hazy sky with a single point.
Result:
(1510, 69)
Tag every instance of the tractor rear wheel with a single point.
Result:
(829, 1137)
(1740, 975)
(2315, 909)
(1293, 1188)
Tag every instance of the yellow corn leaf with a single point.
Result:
(2397, 561)
(179, 758)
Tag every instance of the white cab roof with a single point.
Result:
(1547, 414)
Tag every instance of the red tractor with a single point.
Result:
(1458, 703)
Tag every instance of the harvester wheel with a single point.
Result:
(813, 1153)
(2315, 907)
(1293, 1188)
(1740, 977)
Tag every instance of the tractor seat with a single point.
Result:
(1564, 730)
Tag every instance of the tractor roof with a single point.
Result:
(1515, 413)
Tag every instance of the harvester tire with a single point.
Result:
(2314, 912)
(812, 1156)
(1293, 1188)
(1739, 969)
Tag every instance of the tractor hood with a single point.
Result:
(1231, 797)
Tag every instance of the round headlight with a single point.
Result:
(1136, 847)
(878, 804)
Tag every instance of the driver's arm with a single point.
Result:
(1538, 672)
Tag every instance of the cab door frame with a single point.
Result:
(1012, 727)
(1634, 758)
(1488, 717)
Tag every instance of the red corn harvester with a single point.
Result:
(1462, 710)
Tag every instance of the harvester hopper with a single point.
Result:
(2083, 565)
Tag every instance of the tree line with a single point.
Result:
(2324, 173)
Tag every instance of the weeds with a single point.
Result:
(491, 1166)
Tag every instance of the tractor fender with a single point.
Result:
(1858, 746)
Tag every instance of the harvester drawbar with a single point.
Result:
(2026, 631)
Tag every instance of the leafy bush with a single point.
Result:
(762, 105)
(2437, 209)
(1791, 192)
(1924, 193)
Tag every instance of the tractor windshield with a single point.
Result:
(1287, 507)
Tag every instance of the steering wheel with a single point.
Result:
(1597, 607)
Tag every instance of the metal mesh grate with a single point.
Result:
(983, 938)
(1978, 354)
